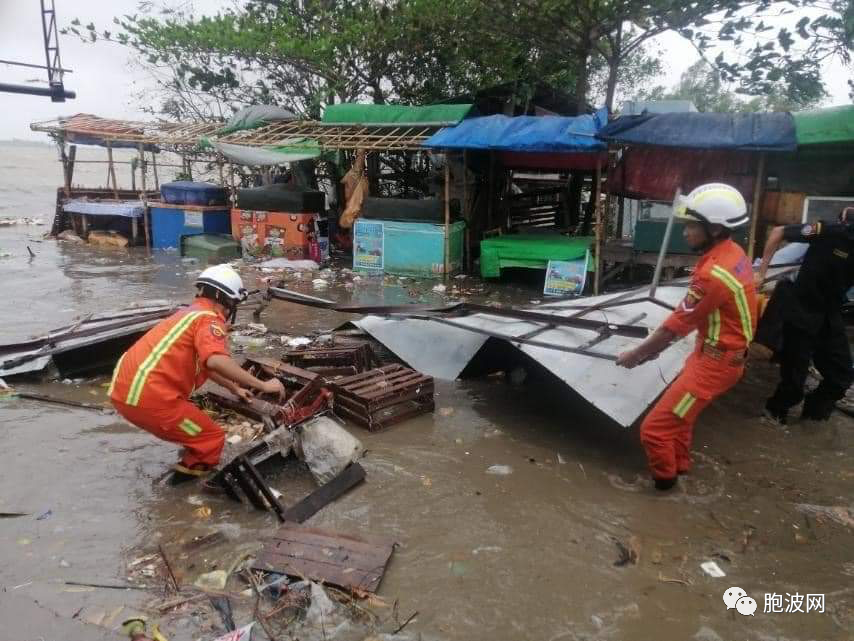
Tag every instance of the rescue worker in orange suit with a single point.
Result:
(721, 306)
(153, 380)
(813, 327)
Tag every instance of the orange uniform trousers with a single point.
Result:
(667, 431)
(183, 423)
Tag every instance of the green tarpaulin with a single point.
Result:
(356, 114)
(822, 126)
(528, 250)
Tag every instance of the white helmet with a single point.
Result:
(224, 279)
(714, 203)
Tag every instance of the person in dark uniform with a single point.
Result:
(813, 327)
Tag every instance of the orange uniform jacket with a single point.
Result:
(167, 363)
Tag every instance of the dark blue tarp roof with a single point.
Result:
(753, 132)
(523, 133)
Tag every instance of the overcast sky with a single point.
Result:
(107, 85)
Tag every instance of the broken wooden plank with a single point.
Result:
(347, 561)
(352, 475)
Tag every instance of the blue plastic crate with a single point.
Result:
(168, 224)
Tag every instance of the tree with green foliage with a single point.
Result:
(703, 85)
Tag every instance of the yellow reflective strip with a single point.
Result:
(714, 331)
(737, 290)
(157, 353)
(190, 427)
(686, 400)
(115, 375)
(687, 407)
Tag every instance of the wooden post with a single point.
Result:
(467, 213)
(621, 214)
(233, 186)
(220, 163)
(112, 170)
(491, 187)
(143, 197)
(597, 213)
(447, 216)
(67, 167)
(84, 223)
(758, 186)
(154, 167)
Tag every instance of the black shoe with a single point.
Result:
(817, 409)
(665, 484)
(775, 417)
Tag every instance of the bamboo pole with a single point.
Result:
(758, 185)
(111, 170)
(597, 212)
(143, 197)
(447, 216)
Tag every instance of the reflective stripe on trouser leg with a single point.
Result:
(666, 436)
(167, 422)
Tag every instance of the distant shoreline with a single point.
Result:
(20, 142)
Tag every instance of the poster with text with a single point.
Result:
(566, 277)
(368, 245)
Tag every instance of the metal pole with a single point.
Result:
(659, 265)
(597, 178)
(491, 190)
(111, 170)
(143, 197)
(447, 216)
(757, 198)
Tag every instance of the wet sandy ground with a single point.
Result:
(529, 555)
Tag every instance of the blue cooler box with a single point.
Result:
(170, 222)
(186, 192)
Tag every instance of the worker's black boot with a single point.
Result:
(817, 408)
(665, 484)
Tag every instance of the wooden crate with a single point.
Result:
(384, 396)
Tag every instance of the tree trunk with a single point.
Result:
(581, 83)
(614, 68)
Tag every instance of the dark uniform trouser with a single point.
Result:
(828, 349)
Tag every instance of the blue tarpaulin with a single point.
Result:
(523, 133)
(750, 132)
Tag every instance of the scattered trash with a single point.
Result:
(107, 239)
(285, 263)
(838, 513)
(327, 448)
(240, 634)
(319, 283)
(440, 289)
(486, 548)
(299, 341)
(656, 557)
(202, 512)
(69, 236)
(258, 328)
(560, 459)
(215, 580)
(64, 564)
(499, 470)
(712, 569)
(44, 515)
(627, 553)
(446, 411)
(246, 340)
(23, 541)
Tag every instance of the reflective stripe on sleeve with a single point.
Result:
(737, 289)
(684, 405)
(157, 353)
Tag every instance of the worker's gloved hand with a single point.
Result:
(244, 394)
(274, 386)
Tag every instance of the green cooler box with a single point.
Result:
(210, 248)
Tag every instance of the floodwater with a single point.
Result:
(527, 555)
